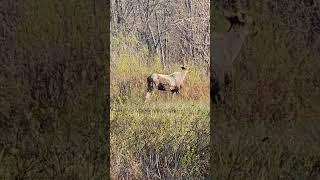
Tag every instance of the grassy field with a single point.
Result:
(167, 137)
(265, 150)
(164, 138)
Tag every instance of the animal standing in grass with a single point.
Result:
(171, 83)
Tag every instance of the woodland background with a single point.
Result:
(165, 138)
(54, 85)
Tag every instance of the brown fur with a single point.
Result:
(172, 83)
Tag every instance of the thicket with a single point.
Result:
(166, 138)
(172, 30)
(53, 89)
(131, 64)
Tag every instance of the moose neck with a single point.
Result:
(184, 73)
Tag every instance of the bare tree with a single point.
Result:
(174, 30)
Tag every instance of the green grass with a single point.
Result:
(161, 138)
(166, 137)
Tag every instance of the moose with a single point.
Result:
(171, 83)
(225, 49)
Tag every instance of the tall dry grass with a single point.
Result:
(131, 66)
(166, 138)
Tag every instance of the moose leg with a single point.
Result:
(151, 86)
(172, 94)
(149, 94)
(150, 91)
